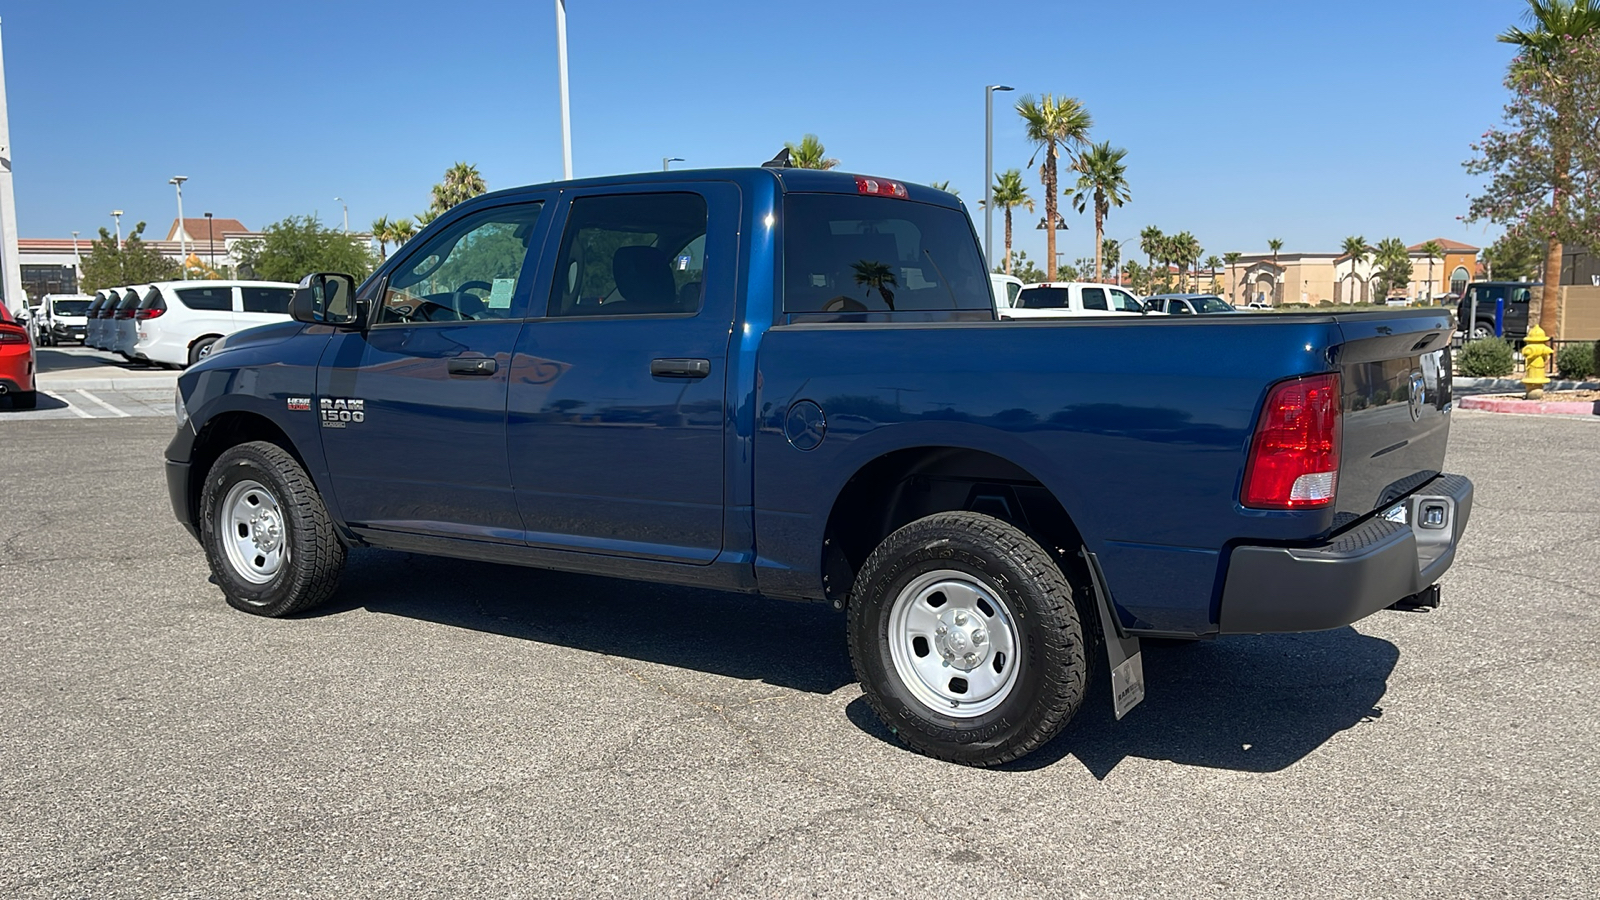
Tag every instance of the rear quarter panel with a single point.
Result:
(1139, 427)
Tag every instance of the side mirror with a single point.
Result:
(327, 298)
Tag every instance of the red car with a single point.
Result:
(16, 363)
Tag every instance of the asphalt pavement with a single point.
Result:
(77, 382)
(453, 729)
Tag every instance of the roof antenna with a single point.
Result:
(781, 161)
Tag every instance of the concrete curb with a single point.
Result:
(1504, 404)
(1463, 385)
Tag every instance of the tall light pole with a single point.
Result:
(667, 161)
(183, 247)
(566, 111)
(116, 218)
(340, 201)
(988, 173)
(77, 260)
(211, 245)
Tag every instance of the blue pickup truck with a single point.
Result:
(791, 383)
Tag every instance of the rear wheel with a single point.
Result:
(1479, 332)
(966, 639)
(201, 349)
(268, 538)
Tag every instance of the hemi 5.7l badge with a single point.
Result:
(299, 404)
(337, 412)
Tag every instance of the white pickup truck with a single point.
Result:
(1065, 299)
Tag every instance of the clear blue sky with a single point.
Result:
(1242, 120)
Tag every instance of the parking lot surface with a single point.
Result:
(77, 382)
(449, 729)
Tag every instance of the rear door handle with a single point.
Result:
(680, 368)
(473, 365)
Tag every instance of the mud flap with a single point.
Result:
(1122, 649)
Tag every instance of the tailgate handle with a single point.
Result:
(680, 368)
(473, 365)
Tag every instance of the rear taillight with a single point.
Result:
(150, 313)
(880, 187)
(12, 334)
(1294, 456)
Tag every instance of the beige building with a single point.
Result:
(1315, 277)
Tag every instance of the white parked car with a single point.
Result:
(95, 327)
(1189, 304)
(1066, 299)
(124, 331)
(1006, 288)
(179, 321)
(60, 318)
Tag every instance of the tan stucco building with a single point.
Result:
(1315, 277)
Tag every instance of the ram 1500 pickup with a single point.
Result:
(792, 383)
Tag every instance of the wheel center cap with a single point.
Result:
(961, 639)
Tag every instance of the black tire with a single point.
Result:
(1052, 673)
(315, 556)
(1481, 332)
(200, 349)
(23, 399)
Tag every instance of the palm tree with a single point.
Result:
(1052, 125)
(1394, 263)
(1432, 250)
(401, 231)
(1355, 247)
(945, 186)
(1213, 263)
(1555, 22)
(810, 154)
(1150, 242)
(1103, 180)
(1010, 192)
(461, 183)
(426, 217)
(1277, 280)
(1185, 251)
(1232, 259)
(1111, 252)
(380, 233)
(876, 275)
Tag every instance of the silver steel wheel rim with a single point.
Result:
(953, 641)
(255, 535)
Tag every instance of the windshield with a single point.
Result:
(71, 307)
(849, 253)
(1211, 305)
(1043, 298)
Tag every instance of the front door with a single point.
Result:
(413, 411)
(617, 411)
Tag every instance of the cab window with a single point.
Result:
(465, 273)
(1124, 302)
(1178, 308)
(631, 255)
(1094, 298)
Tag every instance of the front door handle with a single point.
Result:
(680, 368)
(473, 365)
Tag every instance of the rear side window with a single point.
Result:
(850, 253)
(1043, 298)
(1124, 302)
(631, 254)
(266, 299)
(214, 299)
(1094, 298)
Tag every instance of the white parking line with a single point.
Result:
(81, 413)
(114, 411)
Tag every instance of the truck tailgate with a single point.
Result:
(1395, 375)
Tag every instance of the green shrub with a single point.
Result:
(1575, 362)
(1486, 358)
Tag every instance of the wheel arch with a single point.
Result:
(226, 429)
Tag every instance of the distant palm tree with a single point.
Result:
(1432, 250)
(1394, 263)
(810, 154)
(876, 276)
(400, 231)
(1355, 247)
(426, 217)
(380, 233)
(1150, 242)
(1103, 181)
(1010, 192)
(1213, 263)
(1186, 252)
(1277, 280)
(1554, 23)
(461, 183)
(1111, 253)
(945, 186)
(1052, 125)
(1232, 259)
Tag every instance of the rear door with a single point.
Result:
(262, 304)
(412, 411)
(1518, 296)
(617, 409)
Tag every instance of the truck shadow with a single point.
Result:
(799, 646)
(1250, 703)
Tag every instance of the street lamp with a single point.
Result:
(988, 173)
(183, 252)
(667, 161)
(116, 216)
(340, 201)
(211, 247)
(566, 112)
(77, 260)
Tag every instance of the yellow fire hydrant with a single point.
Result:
(1536, 355)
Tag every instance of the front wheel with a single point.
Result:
(268, 538)
(966, 639)
(1481, 332)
